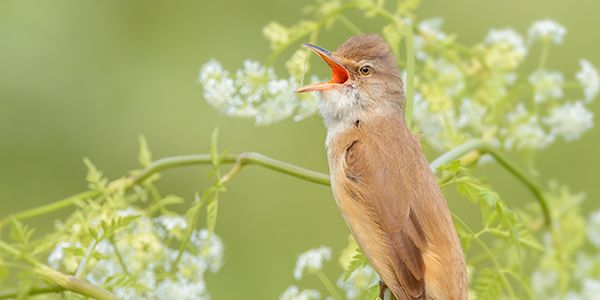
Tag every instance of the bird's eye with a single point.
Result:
(365, 70)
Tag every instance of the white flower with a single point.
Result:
(255, 92)
(359, 281)
(507, 48)
(546, 85)
(57, 257)
(593, 228)
(180, 289)
(130, 211)
(589, 79)
(210, 247)
(170, 222)
(294, 293)
(544, 283)
(548, 30)
(591, 289)
(526, 131)
(570, 120)
(432, 28)
(471, 114)
(312, 260)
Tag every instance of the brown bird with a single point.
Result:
(380, 179)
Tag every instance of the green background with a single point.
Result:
(85, 78)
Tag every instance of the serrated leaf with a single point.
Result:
(144, 155)
(488, 285)
(358, 260)
(94, 177)
(212, 209)
(19, 232)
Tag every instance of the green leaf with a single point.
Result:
(95, 178)
(358, 261)
(144, 155)
(19, 232)
(488, 285)
(212, 209)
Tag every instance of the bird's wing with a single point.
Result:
(382, 181)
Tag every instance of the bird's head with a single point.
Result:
(364, 75)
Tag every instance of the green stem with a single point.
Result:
(410, 76)
(171, 163)
(67, 282)
(81, 269)
(118, 255)
(329, 285)
(251, 158)
(32, 292)
(491, 255)
(504, 161)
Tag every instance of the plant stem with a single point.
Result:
(251, 158)
(329, 285)
(32, 292)
(67, 282)
(504, 161)
(491, 256)
(118, 255)
(171, 163)
(410, 76)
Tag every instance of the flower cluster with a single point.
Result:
(481, 93)
(144, 253)
(461, 93)
(256, 92)
(311, 261)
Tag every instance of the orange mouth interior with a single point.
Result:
(339, 74)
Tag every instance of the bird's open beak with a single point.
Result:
(339, 73)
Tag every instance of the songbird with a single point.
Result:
(380, 179)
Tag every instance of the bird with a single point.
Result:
(380, 178)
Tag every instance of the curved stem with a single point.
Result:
(64, 281)
(504, 161)
(250, 158)
(171, 163)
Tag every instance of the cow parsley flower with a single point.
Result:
(255, 92)
(294, 293)
(210, 247)
(507, 48)
(526, 131)
(547, 30)
(589, 79)
(432, 28)
(546, 85)
(570, 120)
(544, 283)
(590, 289)
(359, 281)
(311, 260)
(593, 229)
(471, 114)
